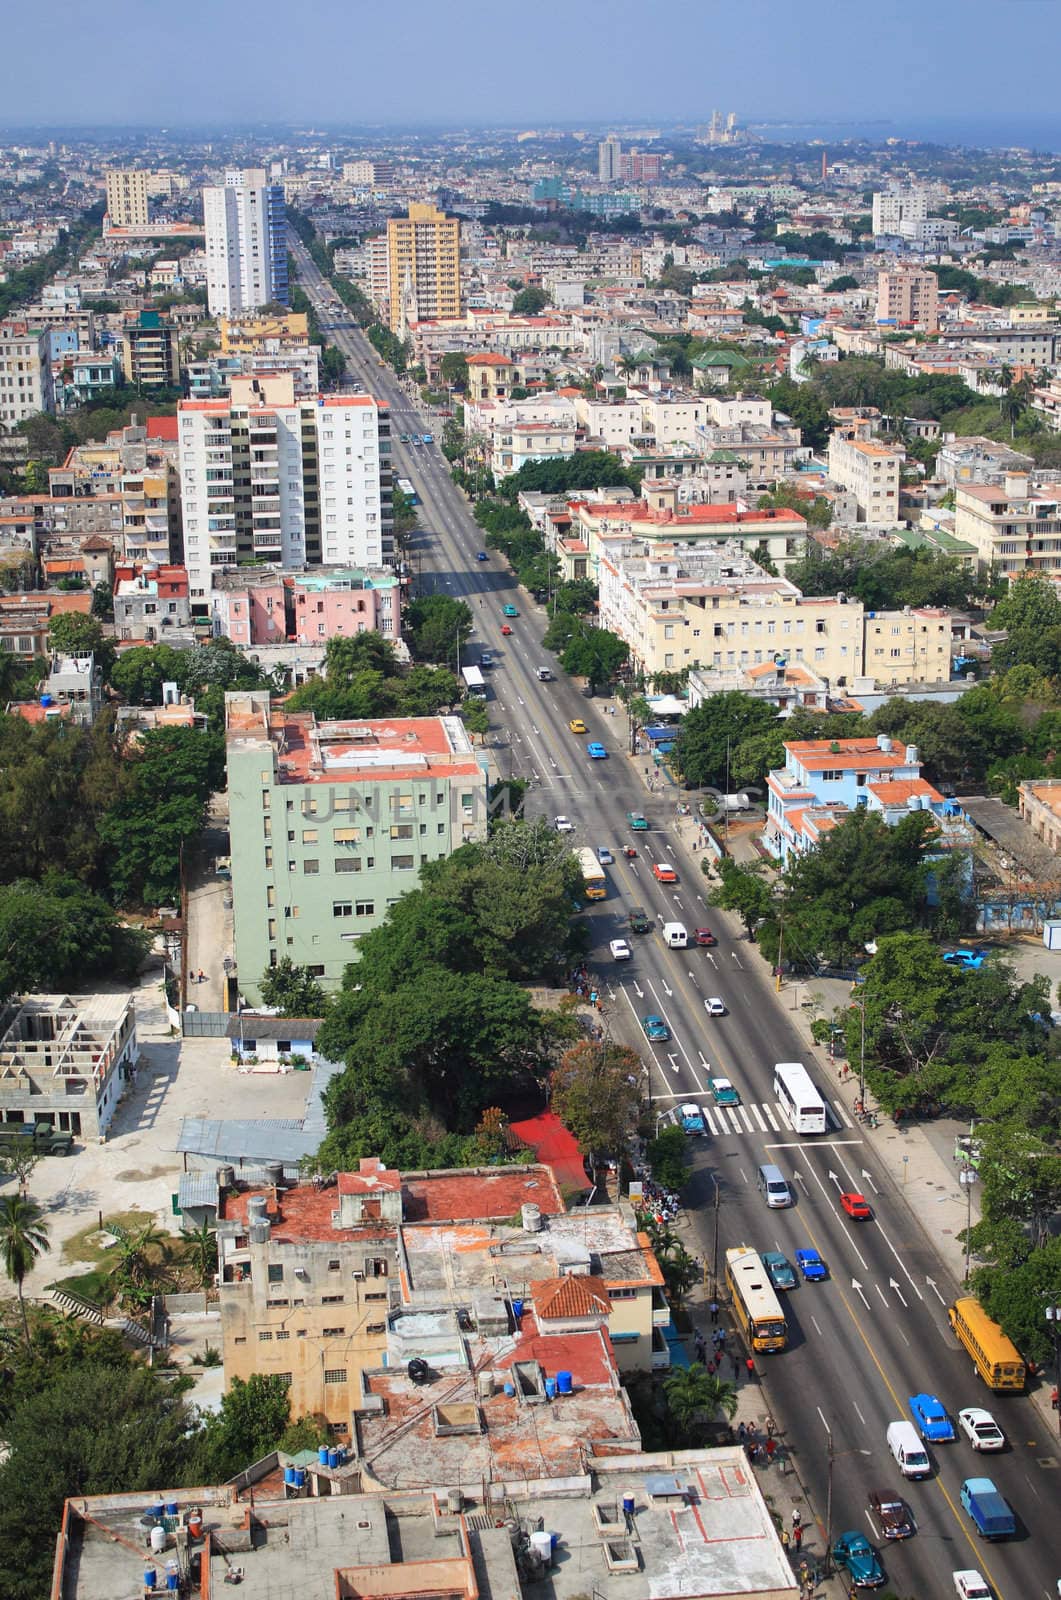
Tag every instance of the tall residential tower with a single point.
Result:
(246, 248)
(423, 267)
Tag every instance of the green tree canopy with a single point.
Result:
(291, 990)
(530, 302)
(597, 1091)
(717, 726)
(75, 633)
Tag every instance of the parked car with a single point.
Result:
(893, 1518)
(931, 1419)
(779, 1269)
(811, 1265)
(981, 1429)
(856, 1555)
(692, 1118)
(655, 1028)
(620, 950)
(723, 1093)
(856, 1205)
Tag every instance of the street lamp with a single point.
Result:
(1053, 1321)
(967, 1176)
(833, 1455)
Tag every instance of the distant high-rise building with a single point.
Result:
(150, 357)
(246, 247)
(268, 475)
(25, 372)
(893, 207)
(423, 267)
(609, 155)
(909, 297)
(127, 198)
(637, 167)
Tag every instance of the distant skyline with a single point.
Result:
(919, 64)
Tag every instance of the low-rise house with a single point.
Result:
(65, 1060)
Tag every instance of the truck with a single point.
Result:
(595, 884)
(474, 683)
(989, 1513)
(736, 802)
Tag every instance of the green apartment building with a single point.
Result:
(330, 823)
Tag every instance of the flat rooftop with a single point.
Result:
(700, 1528)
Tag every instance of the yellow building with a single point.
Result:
(871, 471)
(423, 266)
(127, 198)
(244, 335)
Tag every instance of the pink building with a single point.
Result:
(309, 608)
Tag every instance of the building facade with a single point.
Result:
(1013, 526)
(331, 823)
(909, 297)
(423, 267)
(269, 475)
(871, 472)
(127, 198)
(151, 352)
(26, 386)
(65, 1060)
(246, 243)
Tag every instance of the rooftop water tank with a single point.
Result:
(564, 1383)
(532, 1218)
(542, 1545)
(158, 1540)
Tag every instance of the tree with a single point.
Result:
(694, 1393)
(291, 990)
(202, 1252)
(667, 1154)
(839, 285)
(139, 673)
(58, 932)
(74, 633)
(530, 302)
(593, 653)
(436, 626)
(476, 718)
(23, 1237)
(714, 728)
(743, 890)
(597, 1092)
(21, 1158)
(103, 602)
(171, 773)
(455, 369)
(1031, 615)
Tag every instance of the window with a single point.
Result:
(365, 908)
(334, 1265)
(347, 864)
(342, 908)
(285, 1377)
(276, 1273)
(335, 1374)
(331, 1299)
(333, 1333)
(265, 1338)
(375, 1327)
(282, 1333)
(311, 867)
(309, 836)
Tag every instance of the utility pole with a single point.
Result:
(714, 1242)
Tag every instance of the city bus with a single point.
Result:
(995, 1357)
(755, 1305)
(595, 884)
(406, 486)
(474, 683)
(799, 1099)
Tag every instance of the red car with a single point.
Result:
(664, 872)
(856, 1205)
(704, 936)
(505, 628)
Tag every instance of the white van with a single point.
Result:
(908, 1450)
(675, 935)
(771, 1184)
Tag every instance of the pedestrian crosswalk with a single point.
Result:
(768, 1117)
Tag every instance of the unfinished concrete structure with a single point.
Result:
(64, 1060)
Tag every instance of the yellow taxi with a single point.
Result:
(577, 725)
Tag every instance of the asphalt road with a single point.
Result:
(876, 1331)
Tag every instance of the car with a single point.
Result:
(505, 629)
(655, 1028)
(930, 1418)
(563, 825)
(576, 725)
(704, 936)
(637, 820)
(482, 556)
(714, 1007)
(403, 438)
(638, 920)
(856, 1555)
(604, 855)
(620, 950)
(778, 1269)
(981, 1429)
(596, 751)
(509, 611)
(971, 960)
(893, 1519)
(811, 1265)
(856, 1205)
(692, 1119)
(971, 1585)
(723, 1093)
(663, 872)
(485, 658)
(544, 674)
(429, 438)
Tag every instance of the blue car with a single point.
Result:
(930, 1419)
(856, 1555)
(970, 960)
(811, 1265)
(482, 556)
(597, 751)
(655, 1027)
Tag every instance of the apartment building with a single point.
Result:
(909, 297)
(136, 472)
(268, 606)
(331, 823)
(824, 780)
(269, 475)
(150, 602)
(609, 159)
(662, 519)
(25, 373)
(246, 243)
(1014, 526)
(894, 207)
(256, 345)
(151, 352)
(423, 267)
(871, 472)
(127, 198)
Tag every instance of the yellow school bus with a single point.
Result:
(995, 1357)
(755, 1305)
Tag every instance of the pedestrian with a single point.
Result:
(700, 1345)
(749, 1367)
(202, 975)
(771, 1448)
(716, 1337)
(742, 1432)
(797, 1536)
(711, 1366)
(797, 1517)
(784, 1539)
(713, 1308)
(736, 1367)
(770, 1426)
(721, 1339)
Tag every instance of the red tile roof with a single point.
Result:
(164, 428)
(561, 1298)
(467, 1196)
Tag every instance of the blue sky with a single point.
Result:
(467, 61)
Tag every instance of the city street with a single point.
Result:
(876, 1330)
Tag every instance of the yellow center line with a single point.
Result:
(936, 1482)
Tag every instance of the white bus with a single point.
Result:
(474, 682)
(799, 1099)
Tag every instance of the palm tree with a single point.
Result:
(202, 1252)
(23, 1237)
(693, 1392)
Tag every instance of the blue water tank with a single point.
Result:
(158, 1510)
(173, 1576)
(550, 1388)
(628, 1505)
(289, 1476)
(46, 700)
(564, 1382)
(333, 1457)
(300, 1477)
(510, 1388)
(150, 1577)
(172, 1508)
(322, 1455)
(517, 1309)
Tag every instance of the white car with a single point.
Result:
(981, 1429)
(563, 825)
(620, 950)
(714, 1007)
(970, 1585)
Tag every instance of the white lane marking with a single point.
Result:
(757, 1114)
(770, 1119)
(709, 1119)
(818, 1331)
(859, 1415)
(746, 1119)
(880, 1291)
(734, 1119)
(785, 1118)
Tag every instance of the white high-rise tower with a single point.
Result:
(246, 248)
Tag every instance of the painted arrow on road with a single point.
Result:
(639, 992)
(858, 1290)
(667, 992)
(892, 1284)
(869, 1179)
(673, 1063)
(932, 1285)
(834, 1179)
